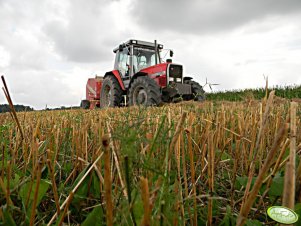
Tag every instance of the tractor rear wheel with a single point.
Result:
(144, 91)
(111, 92)
(85, 104)
(198, 93)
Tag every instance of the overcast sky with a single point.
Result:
(49, 48)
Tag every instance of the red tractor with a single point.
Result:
(140, 77)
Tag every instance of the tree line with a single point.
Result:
(18, 107)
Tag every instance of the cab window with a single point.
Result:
(143, 58)
(123, 62)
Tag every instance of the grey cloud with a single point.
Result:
(74, 43)
(89, 34)
(25, 52)
(294, 44)
(39, 88)
(271, 60)
(205, 16)
(35, 34)
(20, 33)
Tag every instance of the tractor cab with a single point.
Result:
(134, 56)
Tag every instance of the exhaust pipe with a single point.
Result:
(156, 52)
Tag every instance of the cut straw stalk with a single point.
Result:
(75, 189)
(298, 183)
(8, 175)
(116, 161)
(177, 132)
(246, 207)
(289, 179)
(108, 180)
(264, 118)
(268, 180)
(173, 142)
(69, 200)
(255, 146)
(192, 169)
(210, 177)
(54, 188)
(4, 189)
(35, 198)
(180, 189)
(128, 187)
(235, 168)
(1, 215)
(228, 130)
(184, 172)
(146, 202)
(11, 105)
(2, 165)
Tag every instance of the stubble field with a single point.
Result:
(214, 163)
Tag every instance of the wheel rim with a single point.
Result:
(107, 96)
(199, 96)
(139, 96)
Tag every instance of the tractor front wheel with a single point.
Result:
(144, 91)
(198, 93)
(111, 93)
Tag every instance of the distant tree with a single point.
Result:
(62, 108)
(18, 108)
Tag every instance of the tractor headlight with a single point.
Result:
(179, 79)
(171, 79)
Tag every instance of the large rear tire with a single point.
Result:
(198, 93)
(111, 93)
(144, 91)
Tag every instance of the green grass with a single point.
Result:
(288, 92)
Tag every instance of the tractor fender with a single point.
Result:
(116, 74)
(139, 74)
(187, 78)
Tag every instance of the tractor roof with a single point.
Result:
(139, 43)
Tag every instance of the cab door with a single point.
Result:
(122, 63)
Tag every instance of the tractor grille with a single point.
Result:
(175, 71)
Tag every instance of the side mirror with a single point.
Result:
(171, 53)
(120, 48)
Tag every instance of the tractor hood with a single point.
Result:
(156, 70)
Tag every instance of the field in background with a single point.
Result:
(187, 163)
(288, 92)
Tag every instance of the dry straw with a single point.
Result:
(184, 159)
(108, 180)
(288, 198)
(146, 202)
(70, 196)
(246, 207)
(11, 105)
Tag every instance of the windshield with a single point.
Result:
(143, 58)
